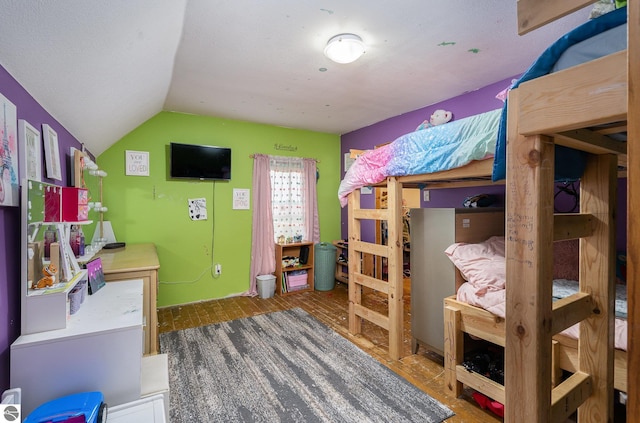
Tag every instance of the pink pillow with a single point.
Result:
(482, 265)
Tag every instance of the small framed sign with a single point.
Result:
(137, 163)
(241, 199)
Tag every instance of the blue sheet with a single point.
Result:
(572, 161)
(563, 288)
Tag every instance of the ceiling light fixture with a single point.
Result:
(344, 48)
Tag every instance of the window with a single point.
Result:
(288, 198)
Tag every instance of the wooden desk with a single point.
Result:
(137, 261)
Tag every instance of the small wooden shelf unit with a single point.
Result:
(342, 265)
(282, 273)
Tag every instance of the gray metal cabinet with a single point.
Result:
(433, 276)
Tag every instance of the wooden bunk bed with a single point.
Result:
(474, 173)
(566, 108)
(576, 108)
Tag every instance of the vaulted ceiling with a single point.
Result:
(103, 68)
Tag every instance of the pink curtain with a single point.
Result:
(262, 236)
(263, 261)
(311, 201)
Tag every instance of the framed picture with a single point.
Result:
(95, 274)
(51, 152)
(9, 184)
(30, 151)
(137, 163)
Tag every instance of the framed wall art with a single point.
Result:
(30, 151)
(51, 152)
(9, 183)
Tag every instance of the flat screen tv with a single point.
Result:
(203, 162)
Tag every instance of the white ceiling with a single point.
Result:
(103, 68)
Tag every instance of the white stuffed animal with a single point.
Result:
(437, 118)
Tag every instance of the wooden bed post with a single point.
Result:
(355, 290)
(597, 277)
(453, 350)
(394, 268)
(633, 213)
(529, 257)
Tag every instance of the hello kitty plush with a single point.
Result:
(437, 118)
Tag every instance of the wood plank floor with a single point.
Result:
(423, 369)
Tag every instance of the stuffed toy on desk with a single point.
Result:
(49, 279)
(438, 117)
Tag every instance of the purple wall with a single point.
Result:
(28, 109)
(472, 103)
(479, 101)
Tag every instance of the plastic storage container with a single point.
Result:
(325, 266)
(266, 285)
(296, 281)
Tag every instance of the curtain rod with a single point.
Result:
(251, 156)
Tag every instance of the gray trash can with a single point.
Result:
(324, 266)
(266, 285)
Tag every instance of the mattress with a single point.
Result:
(430, 150)
(483, 266)
(596, 38)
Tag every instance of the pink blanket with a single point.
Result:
(483, 265)
(495, 302)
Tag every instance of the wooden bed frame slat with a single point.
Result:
(372, 316)
(372, 214)
(566, 397)
(482, 384)
(475, 169)
(372, 283)
(572, 226)
(533, 14)
(571, 310)
(487, 327)
(591, 141)
(583, 96)
(369, 248)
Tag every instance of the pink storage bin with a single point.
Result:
(297, 280)
(75, 206)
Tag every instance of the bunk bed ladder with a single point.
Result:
(532, 317)
(393, 287)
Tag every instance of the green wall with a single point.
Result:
(154, 208)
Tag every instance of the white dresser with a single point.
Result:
(99, 350)
(146, 410)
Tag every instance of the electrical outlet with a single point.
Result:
(218, 269)
(425, 195)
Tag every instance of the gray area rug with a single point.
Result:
(285, 367)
